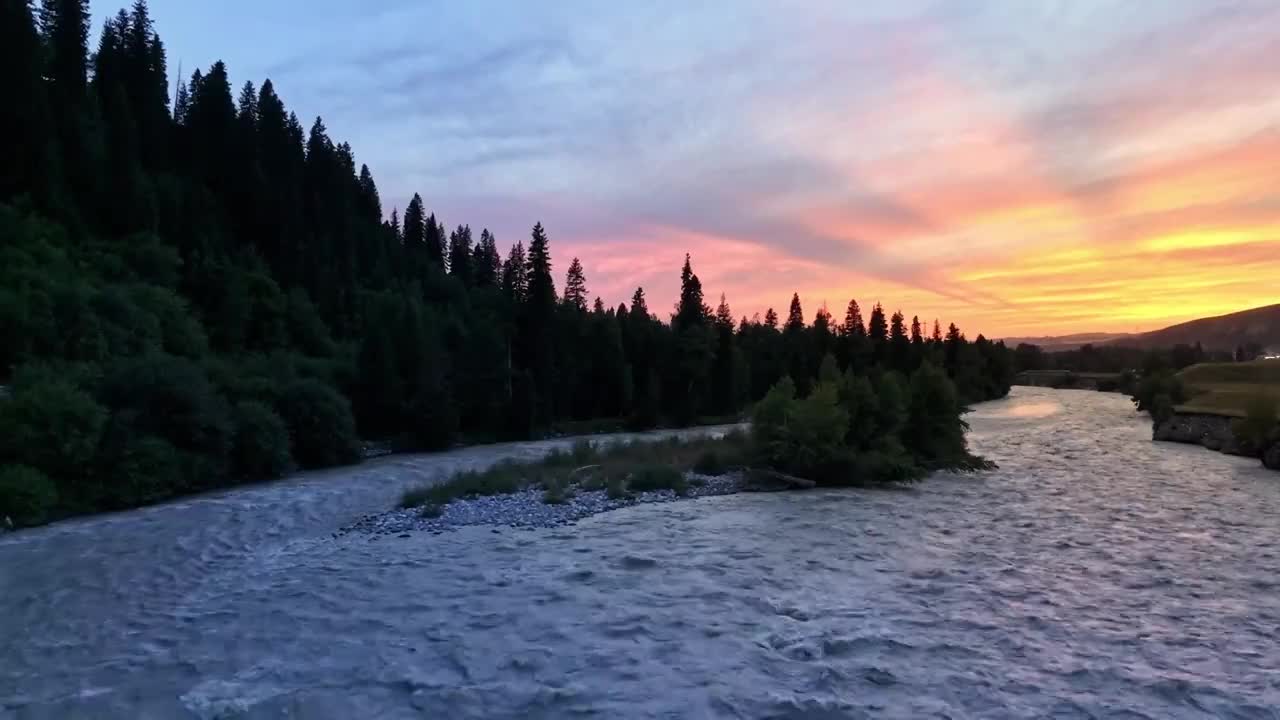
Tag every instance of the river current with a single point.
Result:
(1094, 575)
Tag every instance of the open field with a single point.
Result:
(1227, 388)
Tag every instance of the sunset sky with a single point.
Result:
(1016, 167)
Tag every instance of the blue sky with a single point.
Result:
(932, 155)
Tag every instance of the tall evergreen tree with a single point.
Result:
(878, 336)
(435, 243)
(771, 319)
(64, 25)
(460, 254)
(575, 286)
(899, 344)
(515, 283)
(691, 310)
(24, 114)
(485, 262)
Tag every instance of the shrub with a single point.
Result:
(616, 489)
(260, 449)
(657, 476)
(139, 468)
(27, 496)
(322, 431)
(172, 398)
(711, 462)
(934, 432)
(556, 493)
(769, 423)
(1258, 428)
(815, 430)
(50, 425)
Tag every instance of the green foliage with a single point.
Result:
(51, 426)
(188, 260)
(1157, 393)
(652, 477)
(815, 431)
(769, 432)
(27, 496)
(260, 448)
(933, 432)
(322, 431)
(556, 492)
(1258, 428)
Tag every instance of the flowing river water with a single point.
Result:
(1095, 574)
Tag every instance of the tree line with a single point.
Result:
(196, 292)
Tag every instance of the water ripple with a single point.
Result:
(1095, 575)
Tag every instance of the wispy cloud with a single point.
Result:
(1018, 167)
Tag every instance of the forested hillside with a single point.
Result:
(201, 291)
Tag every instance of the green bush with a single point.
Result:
(556, 493)
(27, 496)
(322, 431)
(1258, 428)
(171, 398)
(616, 489)
(260, 449)
(711, 462)
(934, 432)
(657, 476)
(53, 427)
(815, 431)
(139, 468)
(769, 424)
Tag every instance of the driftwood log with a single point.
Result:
(758, 480)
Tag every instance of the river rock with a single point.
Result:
(1211, 431)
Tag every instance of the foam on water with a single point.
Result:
(1095, 574)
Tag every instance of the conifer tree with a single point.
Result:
(460, 254)
(878, 336)
(639, 306)
(486, 263)
(691, 310)
(515, 284)
(771, 319)
(434, 242)
(899, 344)
(24, 114)
(575, 286)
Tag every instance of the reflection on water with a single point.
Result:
(1094, 575)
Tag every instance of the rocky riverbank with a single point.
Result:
(527, 509)
(1213, 432)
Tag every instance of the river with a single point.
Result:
(1095, 574)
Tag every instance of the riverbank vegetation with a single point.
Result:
(202, 292)
(850, 429)
(1246, 393)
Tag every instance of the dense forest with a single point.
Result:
(197, 291)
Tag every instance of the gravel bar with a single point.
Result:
(525, 509)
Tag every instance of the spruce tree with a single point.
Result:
(899, 344)
(771, 319)
(460, 254)
(434, 242)
(485, 262)
(639, 306)
(691, 310)
(541, 287)
(515, 284)
(415, 237)
(878, 336)
(64, 24)
(24, 114)
(575, 286)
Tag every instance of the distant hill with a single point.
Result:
(1225, 332)
(1066, 342)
